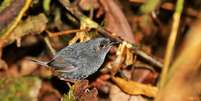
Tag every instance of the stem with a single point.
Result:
(171, 42)
(66, 32)
(47, 41)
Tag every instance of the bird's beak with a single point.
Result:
(111, 44)
(114, 43)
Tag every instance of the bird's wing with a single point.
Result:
(59, 64)
(67, 58)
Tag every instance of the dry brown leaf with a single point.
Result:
(116, 22)
(117, 95)
(80, 87)
(124, 56)
(135, 88)
(117, 63)
(33, 24)
(144, 75)
(82, 93)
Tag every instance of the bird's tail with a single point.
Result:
(39, 62)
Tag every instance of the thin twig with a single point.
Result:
(171, 42)
(66, 32)
(149, 58)
(49, 46)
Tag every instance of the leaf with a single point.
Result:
(116, 22)
(117, 95)
(144, 74)
(33, 24)
(119, 60)
(135, 88)
(83, 93)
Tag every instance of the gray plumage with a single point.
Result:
(79, 60)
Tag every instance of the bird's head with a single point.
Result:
(103, 45)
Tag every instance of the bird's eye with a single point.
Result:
(103, 43)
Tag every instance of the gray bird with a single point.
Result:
(78, 61)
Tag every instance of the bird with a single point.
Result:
(79, 60)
